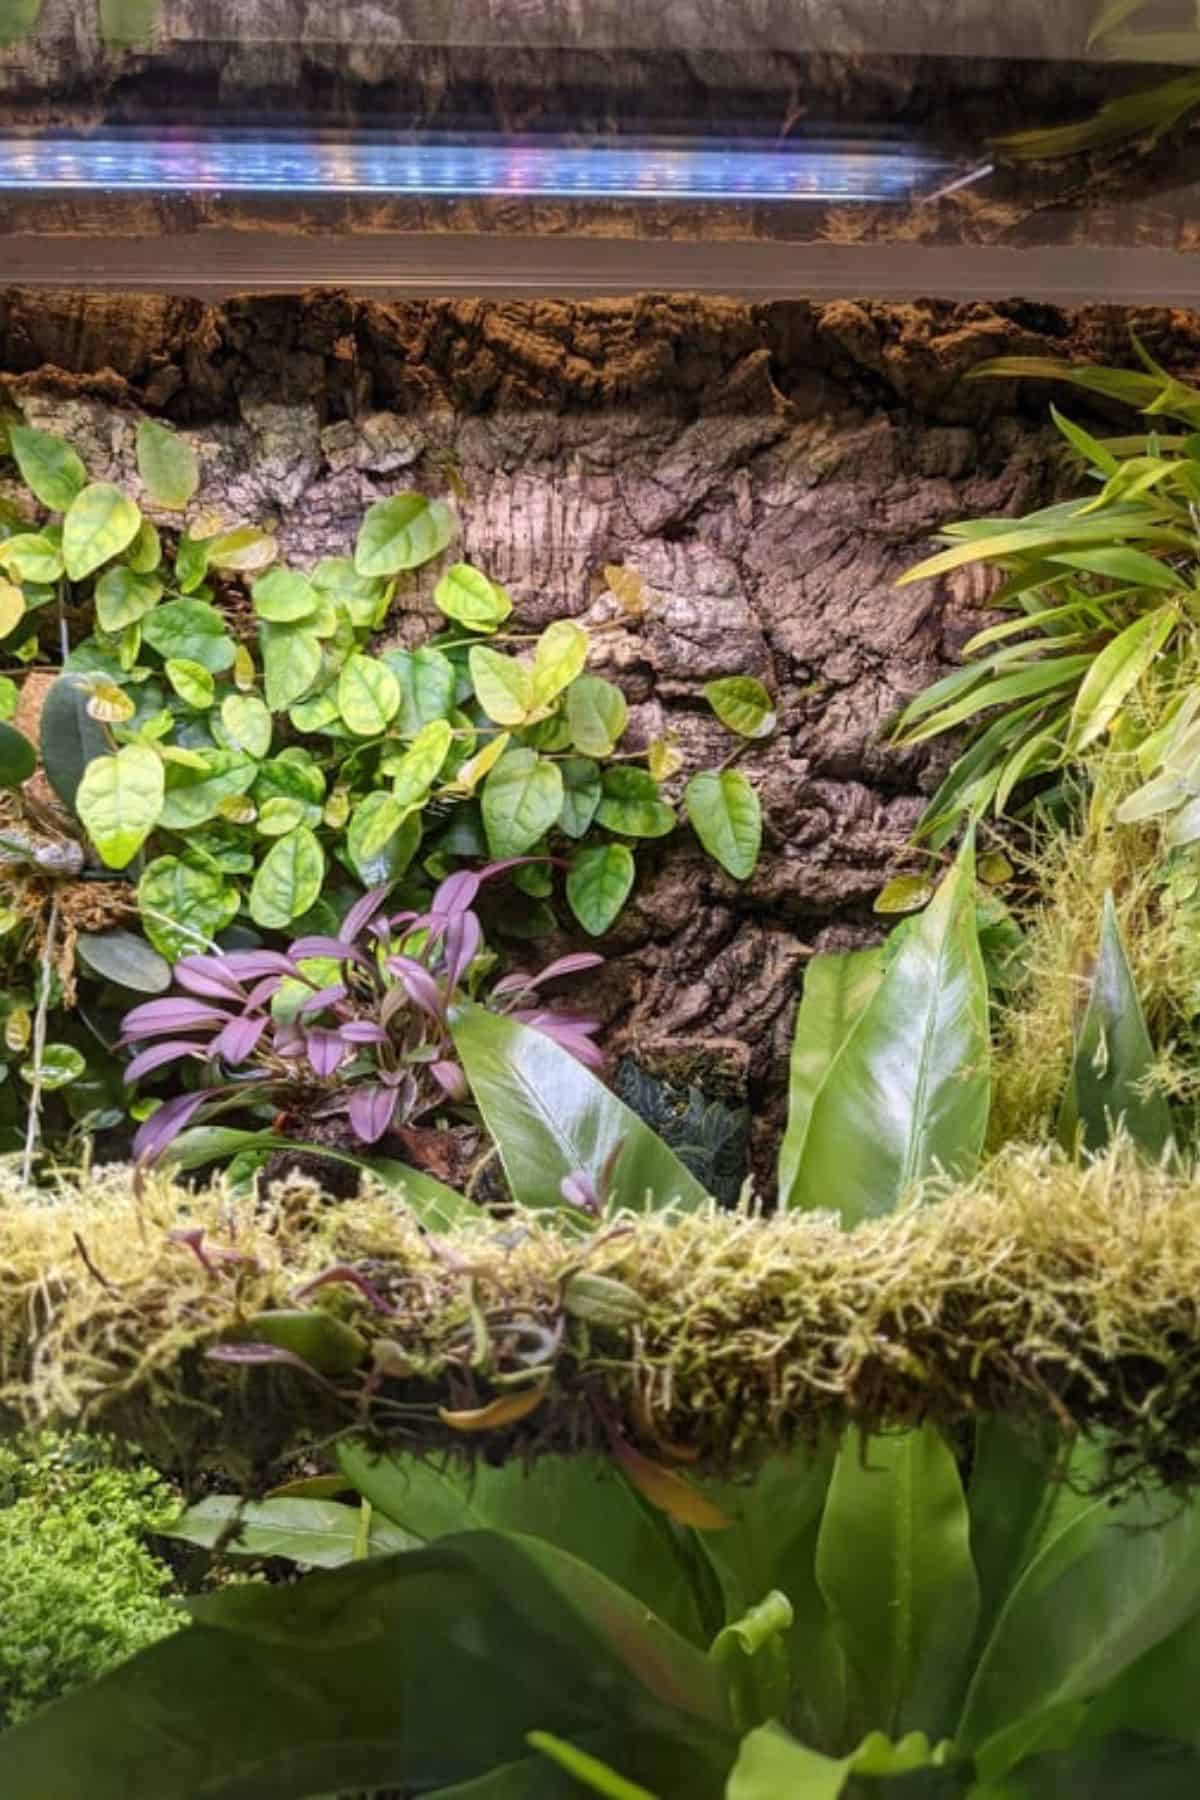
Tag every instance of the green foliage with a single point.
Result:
(79, 1589)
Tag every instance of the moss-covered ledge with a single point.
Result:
(1041, 1292)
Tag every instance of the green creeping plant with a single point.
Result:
(982, 1622)
(1104, 597)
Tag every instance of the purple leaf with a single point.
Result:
(362, 912)
(240, 1038)
(325, 946)
(325, 1049)
(540, 1016)
(155, 1017)
(372, 1110)
(158, 1054)
(166, 1123)
(263, 990)
(247, 965)
(347, 1274)
(362, 1031)
(244, 1355)
(208, 975)
(464, 935)
(569, 1038)
(450, 1079)
(574, 964)
(456, 893)
(328, 996)
(418, 984)
(289, 1041)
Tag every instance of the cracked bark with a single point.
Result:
(768, 471)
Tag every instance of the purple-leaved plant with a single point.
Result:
(374, 1044)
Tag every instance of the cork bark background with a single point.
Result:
(768, 472)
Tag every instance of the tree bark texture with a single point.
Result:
(768, 471)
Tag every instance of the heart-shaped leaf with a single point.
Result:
(123, 597)
(503, 686)
(402, 533)
(597, 714)
(49, 467)
(184, 905)
(742, 704)
(288, 881)
(120, 801)
(725, 814)
(466, 595)
(630, 804)
(599, 884)
(101, 522)
(167, 465)
(283, 596)
(522, 798)
(368, 695)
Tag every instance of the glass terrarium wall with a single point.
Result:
(754, 146)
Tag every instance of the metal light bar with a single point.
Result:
(250, 163)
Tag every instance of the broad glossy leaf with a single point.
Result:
(1115, 674)
(284, 595)
(725, 814)
(31, 557)
(101, 521)
(191, 629)
(582, 793)
(742, 704)
(353, 1678)
(894, 1564)
(247, 723)
(598, 884)
(368, 695)
(196, 794)
(597, 713)
(58, 1066)
(288, 881)
(1116, 1582)
(522, 798)
(503, 685)
(120, 801)
(123, 597)
(402, 533)
(319, 1534)
(18, 759)
(836, 989)
(560, 655)
(379, 858)
(630, 803)
(292, 662)
(466, 594)
(50, 469)
(910, 1088)
(578, 1503)
(427, 686)
(167, 465)
(125, 959)
(551, 1118)
(1113, 1059)
(184, 906)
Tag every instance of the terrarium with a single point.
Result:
(599, 935)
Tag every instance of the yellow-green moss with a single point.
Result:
(1039, 1291)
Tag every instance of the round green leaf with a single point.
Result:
(242, 551)
(194, 794)
(742, 704)
(726, 816)
(191, 681)
(582, 793)
(562, 651)
(248, 725)
(421, 763)
(503, 686)
(466, 594)
(288, 881)
(402, 533)
(281, 814)
(380, 841)
(597, 714)
(167, 465)
(49, 467)
(293, 775)
(283, 596)
(61, 1064)
(120, 800)
(191, 630)
(31, 557)
(630, 804)
(18, 759)
(337, 580)
(125, 959)
(100, 523)
(368, 695)
(522, 798)
(191, 562)
(184, 905)
(598, 885)
(428, 685)
(145, 552)
(291, 663)
(123, 597)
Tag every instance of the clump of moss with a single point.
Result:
(1040, 1291)
(79, 1589)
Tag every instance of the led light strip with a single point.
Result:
(239, 163)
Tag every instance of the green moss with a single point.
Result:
(79, 1589)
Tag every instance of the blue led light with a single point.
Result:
(245, 163)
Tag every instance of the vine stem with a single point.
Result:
(32, 1130)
